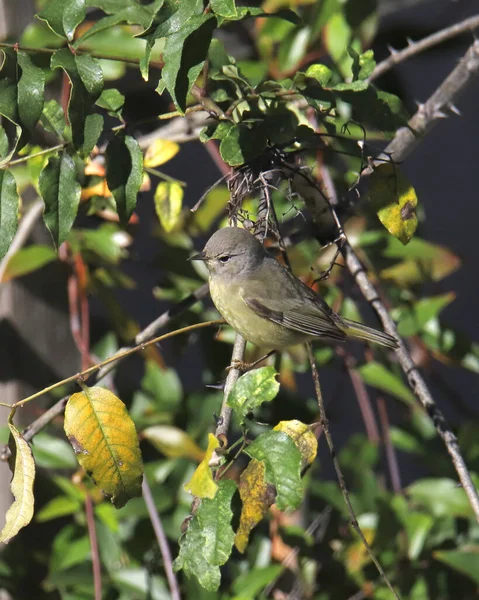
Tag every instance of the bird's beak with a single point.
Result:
(199, 256)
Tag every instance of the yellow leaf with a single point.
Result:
(160, 152)
(394, 200)
(105, 441)
(202, 484)
(21, 511)
(173, 442)
(99, 189)
(257, 496)
(168, 204)
(303, 438)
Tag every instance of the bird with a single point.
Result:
(265, 303)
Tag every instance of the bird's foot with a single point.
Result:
(239, 365)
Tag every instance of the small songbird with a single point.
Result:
(265, 303)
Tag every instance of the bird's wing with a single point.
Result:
(312, 321)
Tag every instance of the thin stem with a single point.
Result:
(120, 355)
(164, 176)
(391, 457)
(339, 473)
(413, 48)
(161, 539)
(95, 556)
(23, 159)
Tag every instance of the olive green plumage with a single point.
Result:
(266, 303)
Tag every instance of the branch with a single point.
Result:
(413, 48)
(339, 473)
(95, 556)
(161, 539)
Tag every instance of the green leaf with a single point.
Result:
(209, 538)
(9, 205)
(105, 441)
(321, 73)
(252, 389)
(418, 525)
(164, 385)
(20, 512)
(282, 460)
(63, 16)
(31, 86)
(378, 376)
(248, 585)
(224, 8)
(68, 549)
(184, 56)
(53, 453)
(244, 12)
(242, 144)
(27, 260)
(53, 118)
(124, 173)
(86, 77)
(60, 190)
(9, 101)
(58, 507)
(412, 319)
(394, 200)
(465, 561)
(441, 496)
(112, 100)
(168, 204)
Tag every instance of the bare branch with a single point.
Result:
(399, 56)
(95, 555)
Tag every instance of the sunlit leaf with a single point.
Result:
(168, 204)
(60, 190)
(27, 260)
(250, 583)
(412, 319)
(224, 8)
(441, 496)
(282, 460)
(173, 442)
(9, 205)
(104, 439)
(464, 560)
(53, 118)
(20, 512)
(378, 376)
(394, 200)
(60, 506)
(160, 152)
(202, 484)
(31, 85)
(252, 389)
(112, 100)
(63, 16)
(303, 438)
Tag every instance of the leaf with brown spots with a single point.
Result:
(105, 442)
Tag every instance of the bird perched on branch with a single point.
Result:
(265, 303)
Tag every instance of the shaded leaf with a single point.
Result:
(465, 561)
(60, 190)
(252, 389)
(31, 86)
(173, 442)
(9, 205)
(394, 200)
(283, 466)
(202, 484)
(9, 103)
(168, 204)
(112, 100)
(441, 496)
(249, 584)
(124, 173)
(303, 438)
(28, 259)
(412, 319)
(58, 507)
(20, 512)
(241, 144)
(63, 16)
(378, 376)
(53, 453)
(104, 439)
(53, 118)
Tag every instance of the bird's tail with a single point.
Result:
(361, 332)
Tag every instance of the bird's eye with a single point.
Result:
(224, 259)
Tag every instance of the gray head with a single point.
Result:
(232, 251)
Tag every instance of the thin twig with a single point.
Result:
(161, 539)
(413, 48)
(339, 473)
(24, 230)
(391, 457)
(95, 556)
(414, 377)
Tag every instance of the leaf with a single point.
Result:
(418, 525)
(303, 438)
(441, 496)
(184, 56)
(168, 204)
(160, 152)
(9, 103)
(376, 375)
(60, 190)
(63, 16)
(248, 585)
(104, 439)
(20, 512)
(9, 205)
(53, 118)
(53, 453)
(60, 506)
(27, 260)
(86, 77)
(256, 497)
(412, 319)
(30, 90)
(202, 484)
(282, 460)
(112, 100)
(321, 73)
(173, 442)
(224, 8)
(241, 144)
(252, 389)
(464, 560)
(124, 173)
(394, 200)
(209, 538)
